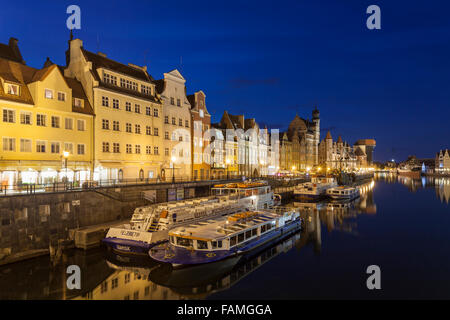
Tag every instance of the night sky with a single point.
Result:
(273, 59)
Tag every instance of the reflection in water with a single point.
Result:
(441, 184)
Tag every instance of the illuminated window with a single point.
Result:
(12, 89)
(9, 144)
(48, 94)
(25, 117)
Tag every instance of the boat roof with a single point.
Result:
(241, 185)
(224, 226)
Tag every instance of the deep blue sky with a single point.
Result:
(273, 59)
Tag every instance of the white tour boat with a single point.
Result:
(316, 189)
(343, 192)
(150, 225)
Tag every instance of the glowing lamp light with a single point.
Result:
(66, 154)
(173, 158)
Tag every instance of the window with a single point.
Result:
(166, 151)
(148, 130)
(184, 242)
(155, 112)
(137, 108)
(128, 106)
(122, 83)
(137, 128)
(137, 149)
(174, 136)
(202, 245)
(148, 111)
(9, 116)
(80, 149)
(233, 241)
(116, 126)
(201, 113)
(115, 104)
(69, 123)
(12, 89)
(105, 101)
(25, 117)
(61, 96)
(248, 234)
(155, 132)
(105, 124)
(116, 148)
(54, 147)
(40, 146)
(114, 283)
(178, 102)
(104, 287)
(127, 277)
(128, 127)
(241, 237)
(254, 232)
(40, 120)
(155, 150)
(146, 90)
(9, 144)
(68, 146)
(148, 150)
(180, 122)
(263, 228)
(174, 121)
(81, 125)
(166, 119)
(78, 103)
(172, 100)
(55, 122)
(48, 94)
(186, 123)
(180, 138)
(129, 148)
(105, 146)
(166, 135)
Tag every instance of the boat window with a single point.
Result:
(219, 243)
(269, 226)
(263, 228)
(201, 244)
(248, 234)
(214, 244)
(254, 232)
(172, 239)
(185, 242)
(233, 241)
(241, 237)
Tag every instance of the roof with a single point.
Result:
(365, 142)
(11, 51)
(160, 85)
(328, 135)
(20, 74)
(99, 61)
(359, 152)
(78, 92)
(339, 140)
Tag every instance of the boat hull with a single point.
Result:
(180, 257)
(131, 247)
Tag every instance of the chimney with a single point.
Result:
(15, 49)
(48, 63)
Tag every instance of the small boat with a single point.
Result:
(226, 237)
(150, 225)
(316, 189)
(343, 192)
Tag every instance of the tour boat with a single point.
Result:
(316, 189)
(225, 237)
(343, 192)
(150, 225)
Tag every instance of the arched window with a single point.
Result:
(141, 174)
(120, 176)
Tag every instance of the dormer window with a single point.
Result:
(12, 89)
(77, 103)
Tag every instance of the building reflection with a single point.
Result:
(440, 184)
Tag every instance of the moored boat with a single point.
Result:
(225, 237)
(150, 225)
(343, 192)
(314, 190)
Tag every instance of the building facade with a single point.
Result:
(46, 129)
(442, 161)
(201, 124)
(127, 130)
(299, 144)
(177, 126)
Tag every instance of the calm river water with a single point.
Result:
(401, 225)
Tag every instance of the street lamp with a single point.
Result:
(228, 163)
(173, 168)
(293, 169)
(66, 155)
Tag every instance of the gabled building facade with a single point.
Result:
(46, 125)
(201, 124)
(177, 126)
(442, 161)
(128, 126)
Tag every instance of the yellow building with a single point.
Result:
(128, 127)
(46, 123)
